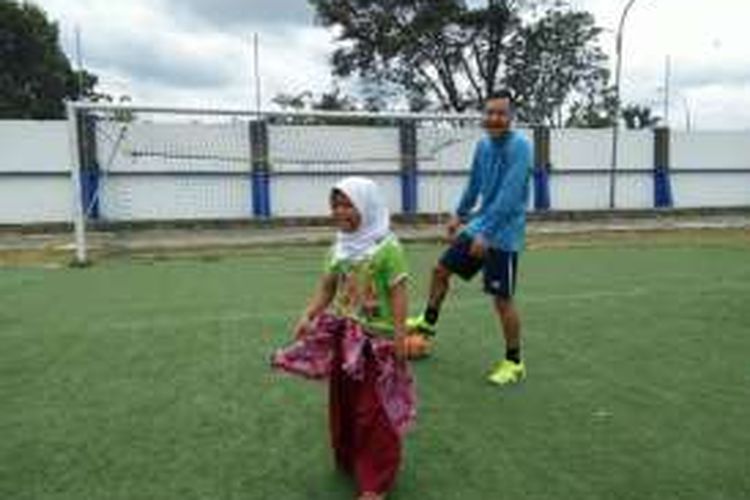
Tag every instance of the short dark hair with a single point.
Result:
(501, 94)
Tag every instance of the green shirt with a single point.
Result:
(364, 287)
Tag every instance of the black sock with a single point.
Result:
(431, 315)
(513, 354)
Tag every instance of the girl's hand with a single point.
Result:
(400, 306)
(323, 296)
(401, 346)
(303, 326)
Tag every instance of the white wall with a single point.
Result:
(582, 149)
(32, 146)
(710, 150)
(159, 171)
(198, 170)
(695, 153)
(26, 200)
(28, 149)
(329, 153)
(169, 197)
(581, 163)
(325, 148)
(296, 196)
(711, 190)
(173, 147)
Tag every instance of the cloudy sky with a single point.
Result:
(199, 52)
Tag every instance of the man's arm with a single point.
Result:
(468, 198)
(471, 191)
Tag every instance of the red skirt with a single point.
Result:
(371, 397)
(364, 442)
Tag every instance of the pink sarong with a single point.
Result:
(314, 355)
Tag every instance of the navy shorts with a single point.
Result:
(498, 267)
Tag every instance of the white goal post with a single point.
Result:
(157, 163)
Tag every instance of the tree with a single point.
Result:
(451, 55)
(293, 102)
(35, 75)
(552, 60)
(330, 100)
(594, 109)
(639, 117)
(333, 99)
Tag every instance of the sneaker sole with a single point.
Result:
(515, 381)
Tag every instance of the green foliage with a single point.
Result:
(35, 75)
(637, 117)
(451, 55)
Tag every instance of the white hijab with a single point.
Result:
(375, 219)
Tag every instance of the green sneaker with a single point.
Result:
(421, 325)
(507, 372)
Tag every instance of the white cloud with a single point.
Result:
(199, 53)
(706, 43)
(240, 13)
(158, 52)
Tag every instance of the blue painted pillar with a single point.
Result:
(662, 180)
(541, 168)
(409, 168)
(261, 169)
(89, 166)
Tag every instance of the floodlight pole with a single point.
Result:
(616, 120)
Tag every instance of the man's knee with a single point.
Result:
(441, 273)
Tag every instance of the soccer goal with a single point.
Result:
(155, 166)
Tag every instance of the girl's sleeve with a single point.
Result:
(394, 264)
(330, 266)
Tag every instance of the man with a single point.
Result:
(491, 237)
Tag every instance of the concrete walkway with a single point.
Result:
(252, 236)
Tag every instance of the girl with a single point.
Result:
(353, 333)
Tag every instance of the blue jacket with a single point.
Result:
(500, 174)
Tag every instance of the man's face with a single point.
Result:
(497, 116)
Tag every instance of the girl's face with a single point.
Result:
(345, 214)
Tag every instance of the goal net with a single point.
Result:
(162, 167)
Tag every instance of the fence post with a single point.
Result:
(409, 169)
(662, 182)
(541, 167)
(89, 166)
(261, 169)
